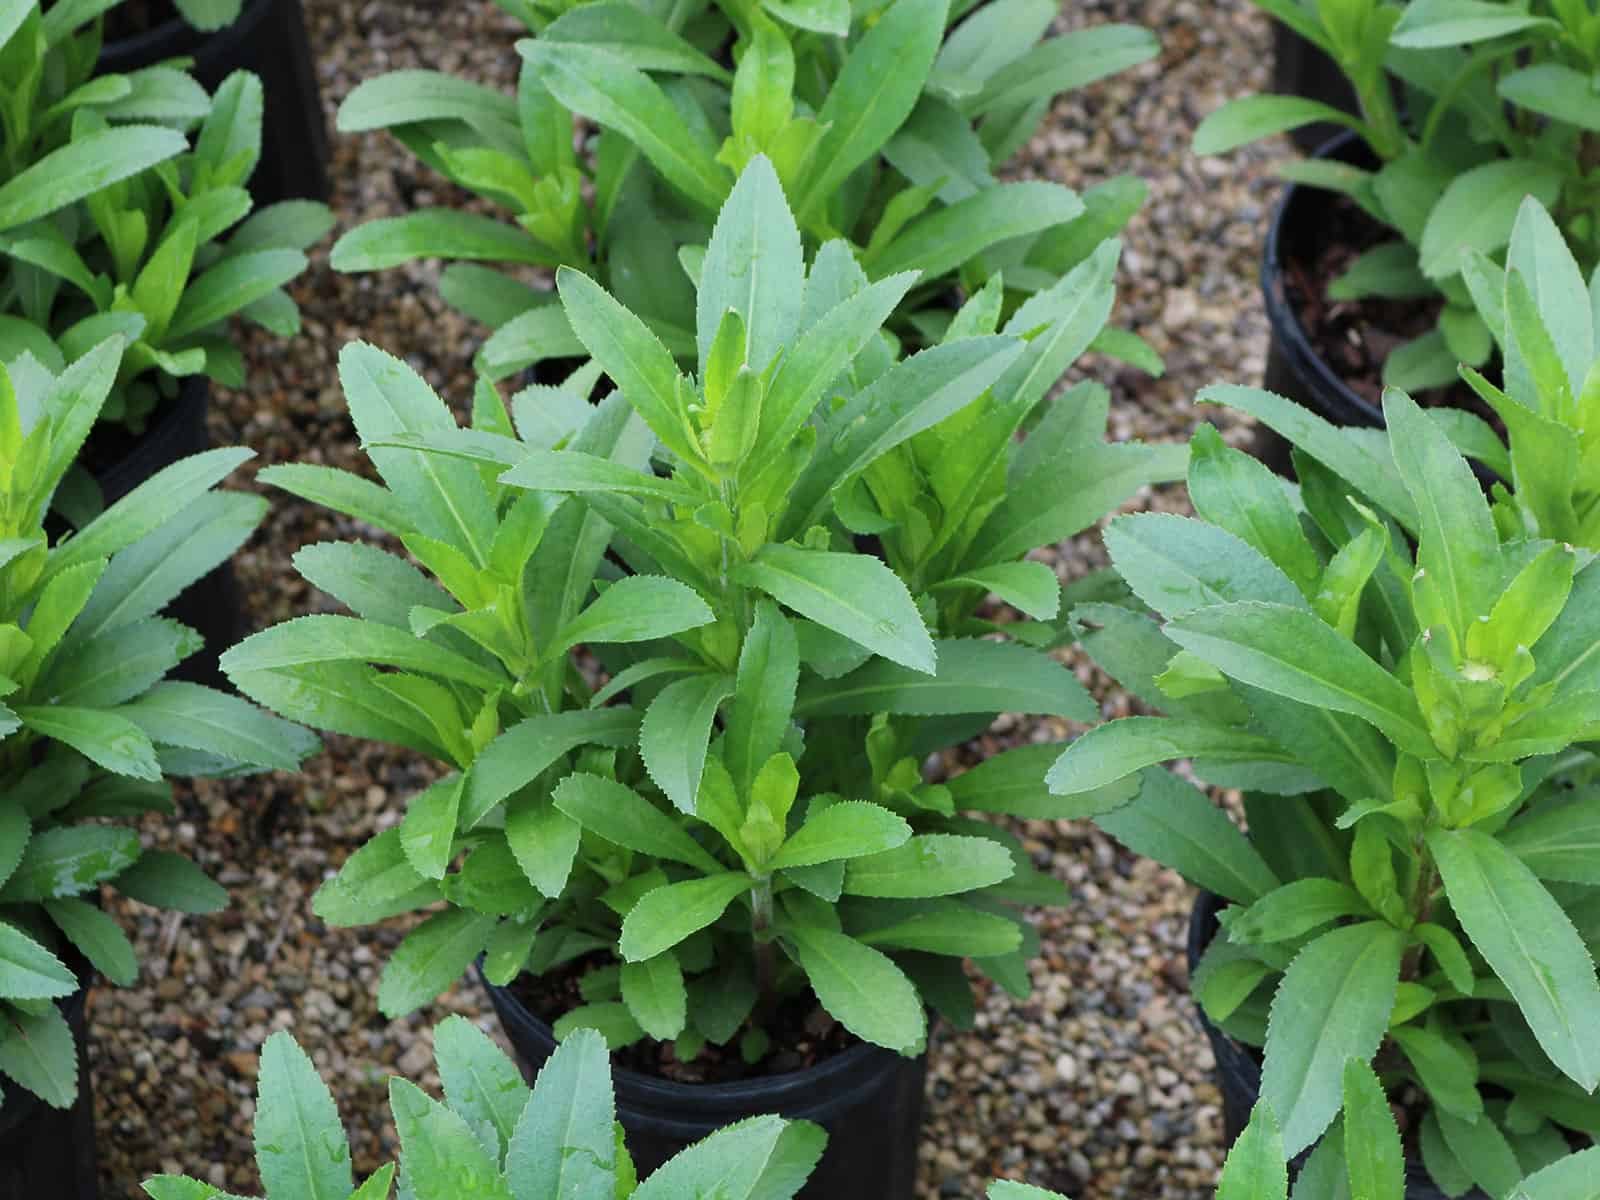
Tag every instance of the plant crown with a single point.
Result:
(755, 818)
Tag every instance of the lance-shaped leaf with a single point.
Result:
(619, 814)
(565, 1141)
(676, 731)
(861, 988)
(666, 915)
(972, 676)
(301, 1148)
(319, 639)
(853, 595)
(1529, 942)
(1332, 1005)
(1121, 748)
(636, 608)
(1293, 653)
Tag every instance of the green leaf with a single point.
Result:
(376, 882)
(1560, 842)
(930, 864)
(522, 753)
(636, 608)
(634, 35)
(163, 879)
(1372, 1151)
(1013, 783)
(1555, 283)
(850, 829)
(1483, 1150)
(431, 958)
(86, 165)
(676, 731)
(30, 972)
(231, 285)
(202, 718)
(872, 95)
(1030, 587)
(327, 638)
(762, 1158)
(861, 988)
(944, 927)
(98, 937)
(564, 1145)
(301, 1148)
(938, 147)
(1124, 747)
(957, 233)
(70, 860)
(1179, 564)
(604, 88)
(753, 267)
(1295, 909)
(1479, 208)
(1447, 1069)
(1176, 825)
(972, 676)
(441, 1154)
(480, 1082)
(1295, 654)
(620, 815)
(544, 841)
(1332, 1005)
(763, 695)
(572, 471)
(654, 993)
(342, 492)
(1529, 942)
(1251, 118)
(104, 738)
(434, 233)
(1561, 1179)
(1061, 64)
(1430, 24)
(664, 916)
(407, 97)
(38, 1052)
(1254, 1168)
(851, 594)
(427, 834)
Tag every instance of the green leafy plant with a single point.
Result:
(88, 726)
(208, 16)
(1407, 727)
(884, 130)
(112, 224)
(754, 821)
(493, 1136)
(1468, 106)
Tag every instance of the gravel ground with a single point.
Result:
(1098, 1085)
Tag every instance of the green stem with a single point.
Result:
(766, 952)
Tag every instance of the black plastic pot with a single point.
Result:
(1239, 1066)
(868, 1099)
(270, 39)
(1294, 367)
(211, 605)
(1301, 69)
(49, 1152)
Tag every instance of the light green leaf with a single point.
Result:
(1332, 1005)
(676, 731)
(564, 1145)
(480, 1082)
(753, 267)
(861, 988)
(666, 915)
(38, 1052)
(620, 815)
(301, 1148)
(850, 829)
(930, 864)
(1479, 208)
(1529, 942)
(82, 167)
(98, 937)
(30, 972)
(636, 608)
(654, 993)
(1124, 747)
(431, 958)
(1251, 118)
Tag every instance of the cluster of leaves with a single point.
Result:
(494, 1137)
(88, 728)
(112, 224)
(885, 131)
(754, 820)
(1468, 106)
(1414, 890)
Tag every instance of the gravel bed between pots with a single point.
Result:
(1098, 1085)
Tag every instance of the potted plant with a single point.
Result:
(1407, 727)
(89, 728)
(1465, 109)
(264, 37)
(710, 834)
(493, 1136)
(886, 130)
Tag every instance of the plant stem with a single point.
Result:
(766, 952)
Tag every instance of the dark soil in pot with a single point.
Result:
(868, 1099)
(49, 1152)
(1239, 1066)
(120, 463)
(270, 39)
(1301, 69)
(1328, 355)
